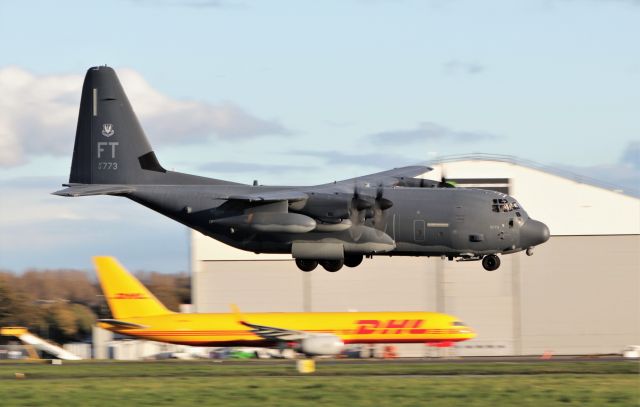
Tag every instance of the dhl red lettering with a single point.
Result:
(367, 326)
(392, 326)
(415, 328)
(129, 296)
(397, 325)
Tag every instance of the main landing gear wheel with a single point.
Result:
(332, 265)
(306, 265)
(491, 262)
(353, 260)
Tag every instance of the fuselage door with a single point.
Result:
(418, 230)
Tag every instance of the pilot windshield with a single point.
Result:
(503, 205)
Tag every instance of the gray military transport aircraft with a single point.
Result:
(391, 213)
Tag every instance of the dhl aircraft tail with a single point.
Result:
(125, 294)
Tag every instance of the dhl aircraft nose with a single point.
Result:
(470, 333)
(533, 233)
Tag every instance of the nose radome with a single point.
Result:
(533, 233)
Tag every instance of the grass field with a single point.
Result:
(339, 384)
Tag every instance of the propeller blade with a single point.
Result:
(385, 203)
(444, 183)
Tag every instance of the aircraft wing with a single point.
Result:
(74, 190)
(388, 178)
(116, 323)
(276, 334)
(273, 196)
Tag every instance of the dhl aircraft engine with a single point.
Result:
(321, 345)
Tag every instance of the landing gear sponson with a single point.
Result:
(490, 262)
(332, 266)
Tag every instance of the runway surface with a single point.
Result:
(457, 360)
(377, 361)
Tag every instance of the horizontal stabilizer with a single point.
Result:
(94, 189)
(116, 323)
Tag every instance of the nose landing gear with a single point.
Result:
(491, 262)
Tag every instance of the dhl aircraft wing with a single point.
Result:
(276, 334)
(270, 332)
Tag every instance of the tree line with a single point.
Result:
(63, 305)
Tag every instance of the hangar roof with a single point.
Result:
(569, 204)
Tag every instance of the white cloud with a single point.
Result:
(625, 174)
(35, 114)
(38, 115)
(429, 132)
(38, 229)
(29, 201)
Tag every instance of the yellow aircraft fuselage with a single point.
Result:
(351, 327)
(137, 312)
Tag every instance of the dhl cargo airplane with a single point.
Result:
(137, 312)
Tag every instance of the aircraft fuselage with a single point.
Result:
(391, 212)
(421, 222)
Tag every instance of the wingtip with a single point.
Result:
(235, 310)
(61, 192)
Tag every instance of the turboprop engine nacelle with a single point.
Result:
(321, 345)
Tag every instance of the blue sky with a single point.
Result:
(301, 92)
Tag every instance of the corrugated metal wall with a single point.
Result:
(576, 295)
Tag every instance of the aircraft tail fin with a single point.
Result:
(125, 294)
(110, 145)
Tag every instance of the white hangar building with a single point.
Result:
(578, 294)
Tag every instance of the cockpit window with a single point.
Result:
(502, 205)
(458, 323)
